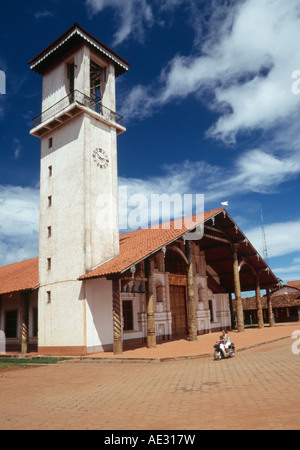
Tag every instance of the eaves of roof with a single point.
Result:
(69, 39)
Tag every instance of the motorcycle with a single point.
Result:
(218, 353)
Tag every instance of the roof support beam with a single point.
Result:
(217, 230)
(215, 238)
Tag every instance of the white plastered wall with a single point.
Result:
(99, 316)
(61, 321)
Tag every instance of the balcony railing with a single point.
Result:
(77, 97)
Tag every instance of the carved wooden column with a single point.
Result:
(237, 289)
(270, 309)
(25, 322)
(151, 337)
(192, 325)
(260, 317)
(117, 318)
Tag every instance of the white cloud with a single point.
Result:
(134, 16)
(245, 60)
(244, 65)
(19, 212)
(283, 238)
(254, 171)
(17, 148)
(42, 14)
(290, 272)
(259, 171)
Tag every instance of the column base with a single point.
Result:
(151, 341)
(118, 347)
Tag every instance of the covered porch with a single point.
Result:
(19, 307)
(181, 287)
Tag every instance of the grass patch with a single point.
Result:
(10, 363)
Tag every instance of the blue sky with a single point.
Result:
(209, 102)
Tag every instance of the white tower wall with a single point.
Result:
(78, 197)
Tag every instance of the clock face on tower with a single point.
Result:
(100, 158)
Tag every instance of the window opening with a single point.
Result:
(210, 303)
(159, 293)
(71, 78)
(11, 319)
(35, 322)
(128, 315)
(96, 78)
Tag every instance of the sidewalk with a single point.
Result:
(204, 346)
(183, 349)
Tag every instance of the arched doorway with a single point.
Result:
(176, 266)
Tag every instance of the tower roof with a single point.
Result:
(68, 40)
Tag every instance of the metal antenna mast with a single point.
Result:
(264, 240)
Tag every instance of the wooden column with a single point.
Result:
(270, 309)
(237, 289)
(260, 317)
(151, 337)
(25, 322)
(192, 325)
(117, 318)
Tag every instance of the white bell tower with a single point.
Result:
(79, 229)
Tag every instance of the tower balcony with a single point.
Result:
(69, 107)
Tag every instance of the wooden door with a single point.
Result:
(178, 309)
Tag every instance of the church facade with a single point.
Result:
(92, 289)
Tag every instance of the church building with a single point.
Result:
(92, 289)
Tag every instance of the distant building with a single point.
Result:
(92, 289)
(285, 302)
(295, 284)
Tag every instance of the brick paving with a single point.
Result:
(259, 389)
(180, 348)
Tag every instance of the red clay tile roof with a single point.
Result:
(278, 301)
(137, 245)
(134, 246)
(20, 276)
(295, 284)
